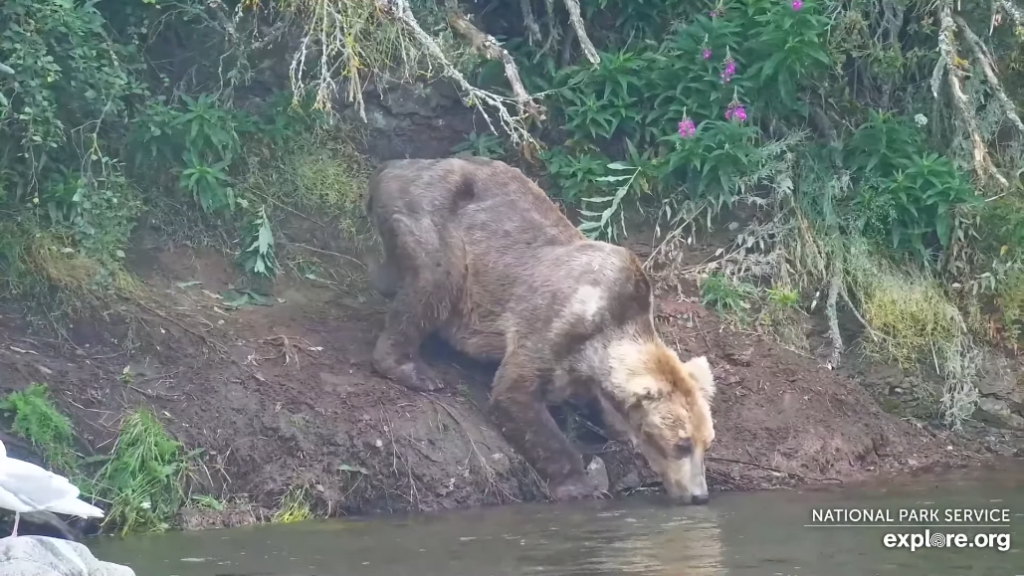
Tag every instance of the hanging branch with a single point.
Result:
(482, 99)
(488, 46)
(985, 58)
(949, 61)
(529, 22)
(576, 18)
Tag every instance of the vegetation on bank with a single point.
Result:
(877, 141)
(140, 481)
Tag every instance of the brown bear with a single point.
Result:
(478, 253)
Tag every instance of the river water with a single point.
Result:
(763, 534)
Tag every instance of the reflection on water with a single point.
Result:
(736, 535)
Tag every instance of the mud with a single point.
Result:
(282, 394)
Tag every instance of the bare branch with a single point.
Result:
(400, 11)
(573, 6)
(488, 46)
(985, 58)
(553, 29)
(529, 22)
(950, 62)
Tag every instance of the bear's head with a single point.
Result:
(664, 406)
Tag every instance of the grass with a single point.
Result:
(913, 322)
(36, 418)
(319, 174)
(780, 317)
(294, 506)
(726, 296)
(144, 477)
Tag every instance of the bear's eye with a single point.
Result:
(683, 448)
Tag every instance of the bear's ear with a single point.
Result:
(700, 371)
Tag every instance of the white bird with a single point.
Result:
(25, 487)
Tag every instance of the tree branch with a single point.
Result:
(529, 22)
(951, 62)
(488, 46)
(573, 6)
(400, 11)
(990, 74)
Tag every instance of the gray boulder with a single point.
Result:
(44, 556)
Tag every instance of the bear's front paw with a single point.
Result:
(417, 376)
(411, 373)
(575, 489)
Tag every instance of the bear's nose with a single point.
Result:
(699, 499)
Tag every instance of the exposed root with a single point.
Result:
(287, 348)
(834, 287)
(209, 341)
(484, 465)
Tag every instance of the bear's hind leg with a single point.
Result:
(421, 300)
(525, 422)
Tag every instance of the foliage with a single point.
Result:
(36, 418)
(878, 143)
(724, 295)
(144, 477)
(293, 507)
(817, 112)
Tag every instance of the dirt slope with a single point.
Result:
(284, 394)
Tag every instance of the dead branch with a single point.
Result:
(529, 22)
(400, 11)
(287, 348)
(488, 46)
(573, 6)
(835, 285)
(553, 30)
(1015, 13)
(985, 58)
(949, 61)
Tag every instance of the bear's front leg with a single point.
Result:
(524, 420)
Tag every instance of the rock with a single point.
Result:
(598, 474)
(43, 556)
(630, 481)
(500, 463)
(998, 413)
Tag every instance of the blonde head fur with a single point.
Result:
(666, 404)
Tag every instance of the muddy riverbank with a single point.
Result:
(279, 393)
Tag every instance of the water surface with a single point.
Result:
(736, 535)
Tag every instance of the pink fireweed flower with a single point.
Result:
(686, 128)
(730, 68)
(797, 4)
(705, 53)
(736, 111)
